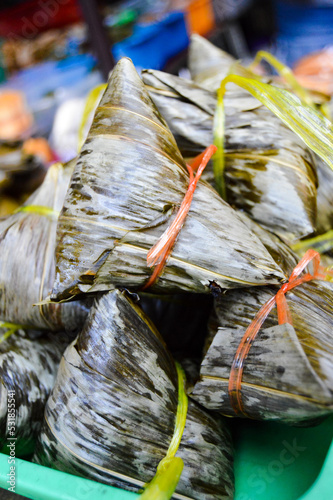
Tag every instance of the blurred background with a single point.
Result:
(53, 52)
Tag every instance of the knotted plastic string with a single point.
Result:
(284, 316)
(160, 252)
(219, 139)
(169, 470)
(39, 210)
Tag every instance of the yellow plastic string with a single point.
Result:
(169, 470)
(90, 105)
(12, 328)
(308, 123)
(218, 134)
(286, 73)
(39, 210)
(237, 69)
(272, 97)
(219, 130)
(322, 243)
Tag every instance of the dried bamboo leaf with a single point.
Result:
(283, 255)
(187, 108)
(129, 178)
(27, 265)
(208, 64)
(269, 172)
(111, 415)
(90, 105)
(277, 188)
(323, 240)
(28, 367)
(288, 373)
(309, 124)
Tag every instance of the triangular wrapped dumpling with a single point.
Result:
(269, 172)
(279, 380)
(27, 264)
(129, 180)
(111, 415)
(28, 366)
(288, 373)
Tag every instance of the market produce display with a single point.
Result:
(131, 231)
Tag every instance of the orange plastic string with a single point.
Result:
(284, 316)
(160, 252)
(195, 163)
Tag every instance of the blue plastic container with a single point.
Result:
(152, 45)
(302, 28)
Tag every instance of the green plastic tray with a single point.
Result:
(272, 462)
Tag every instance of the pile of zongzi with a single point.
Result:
(128, 181)
(131, 233)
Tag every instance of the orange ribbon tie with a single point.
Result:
(284, 316)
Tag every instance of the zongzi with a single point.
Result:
(269, 172)
(28, 367)
(111, 415)
(287, 374)
(27, 265)
(128, 180)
